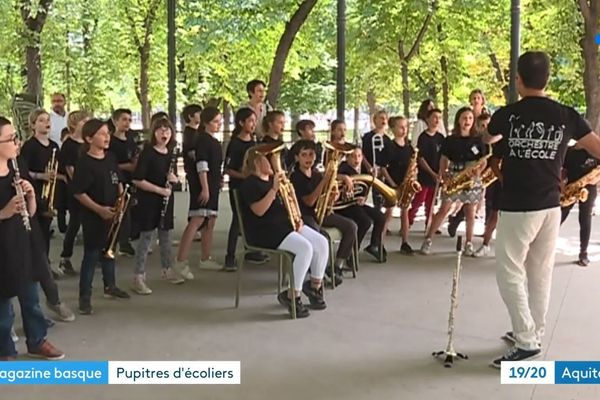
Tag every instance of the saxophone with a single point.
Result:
(49, 188)
(410, 185)
(326, 200)
(576, 191)
(463, 180)
(286, 191)
(115, 225)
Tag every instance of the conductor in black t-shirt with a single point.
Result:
(535, 133)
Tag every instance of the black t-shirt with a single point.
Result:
(269, 230)
(381, 155)
(153, 167)
(99, 179)
(22, 253)
(304, 185)
(398, 160)
(37, 156)
(536, 131)
(578, 162)
(124, 150)
(189, 150)
(234, 158)
(462, 150)
(208, 154)
(346, 169)
(295, 149)
(430, 147)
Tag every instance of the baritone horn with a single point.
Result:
(286, 191)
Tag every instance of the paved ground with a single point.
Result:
(374, 341)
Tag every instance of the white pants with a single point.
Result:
(310, 249)
(525, 250)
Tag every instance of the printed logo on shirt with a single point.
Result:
(534, 141)
(475, 150)
(114, 178)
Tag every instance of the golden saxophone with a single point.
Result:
(576, 191)
(286, 191)
(464, 179)
(115, 224)
(410, 185)
(49, 188)
(326, 200)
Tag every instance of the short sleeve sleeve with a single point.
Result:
(250, 192)
(141, 169)
(202, 152)
(579, 126)
(498, 123)
(446, 149)
(83, 178)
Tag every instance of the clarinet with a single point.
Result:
(165, 203)
(21, 194)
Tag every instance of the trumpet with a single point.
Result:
(49, 188)
(115, 225)
(21, 194)
(286, 191)
(377, 144)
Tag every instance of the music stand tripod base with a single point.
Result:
(450, 357)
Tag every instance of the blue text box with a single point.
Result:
(54, 373)
(577, 372)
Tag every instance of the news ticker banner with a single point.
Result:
(550, 373)
(120, 373)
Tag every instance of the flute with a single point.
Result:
(21, 194)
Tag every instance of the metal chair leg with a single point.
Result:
(293, 287)
(241, 259)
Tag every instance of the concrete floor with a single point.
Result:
(374, 341)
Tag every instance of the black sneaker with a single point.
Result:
(516, 354)
(315, 296)
(301, 310)
(114, 292)
(126, 250)
(256, 258)
(85, 306)
(406, 249)
(67, 267)
(583, 261)
(339, 279)
(453, 223)
(379, 255)
(230, 265)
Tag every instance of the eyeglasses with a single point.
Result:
(14, 139)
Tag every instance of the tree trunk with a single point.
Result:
(590, 9)
(292, 27)
(501, 76)
(445, 91)
(34, 26)
(226, 122)
(356, 122)
(144, 81)
(295, 117)
(371, 102)
(404, 69)
(406, 57)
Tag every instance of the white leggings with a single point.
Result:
(310, 249)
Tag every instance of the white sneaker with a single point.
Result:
(170, 275)
(426, 247)
(210, 265)
(13, 335)
(183, 269)
(483, 251)
(139, 285)
(469, 250)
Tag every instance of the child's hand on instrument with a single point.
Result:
(172, 178)
(106, 213)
